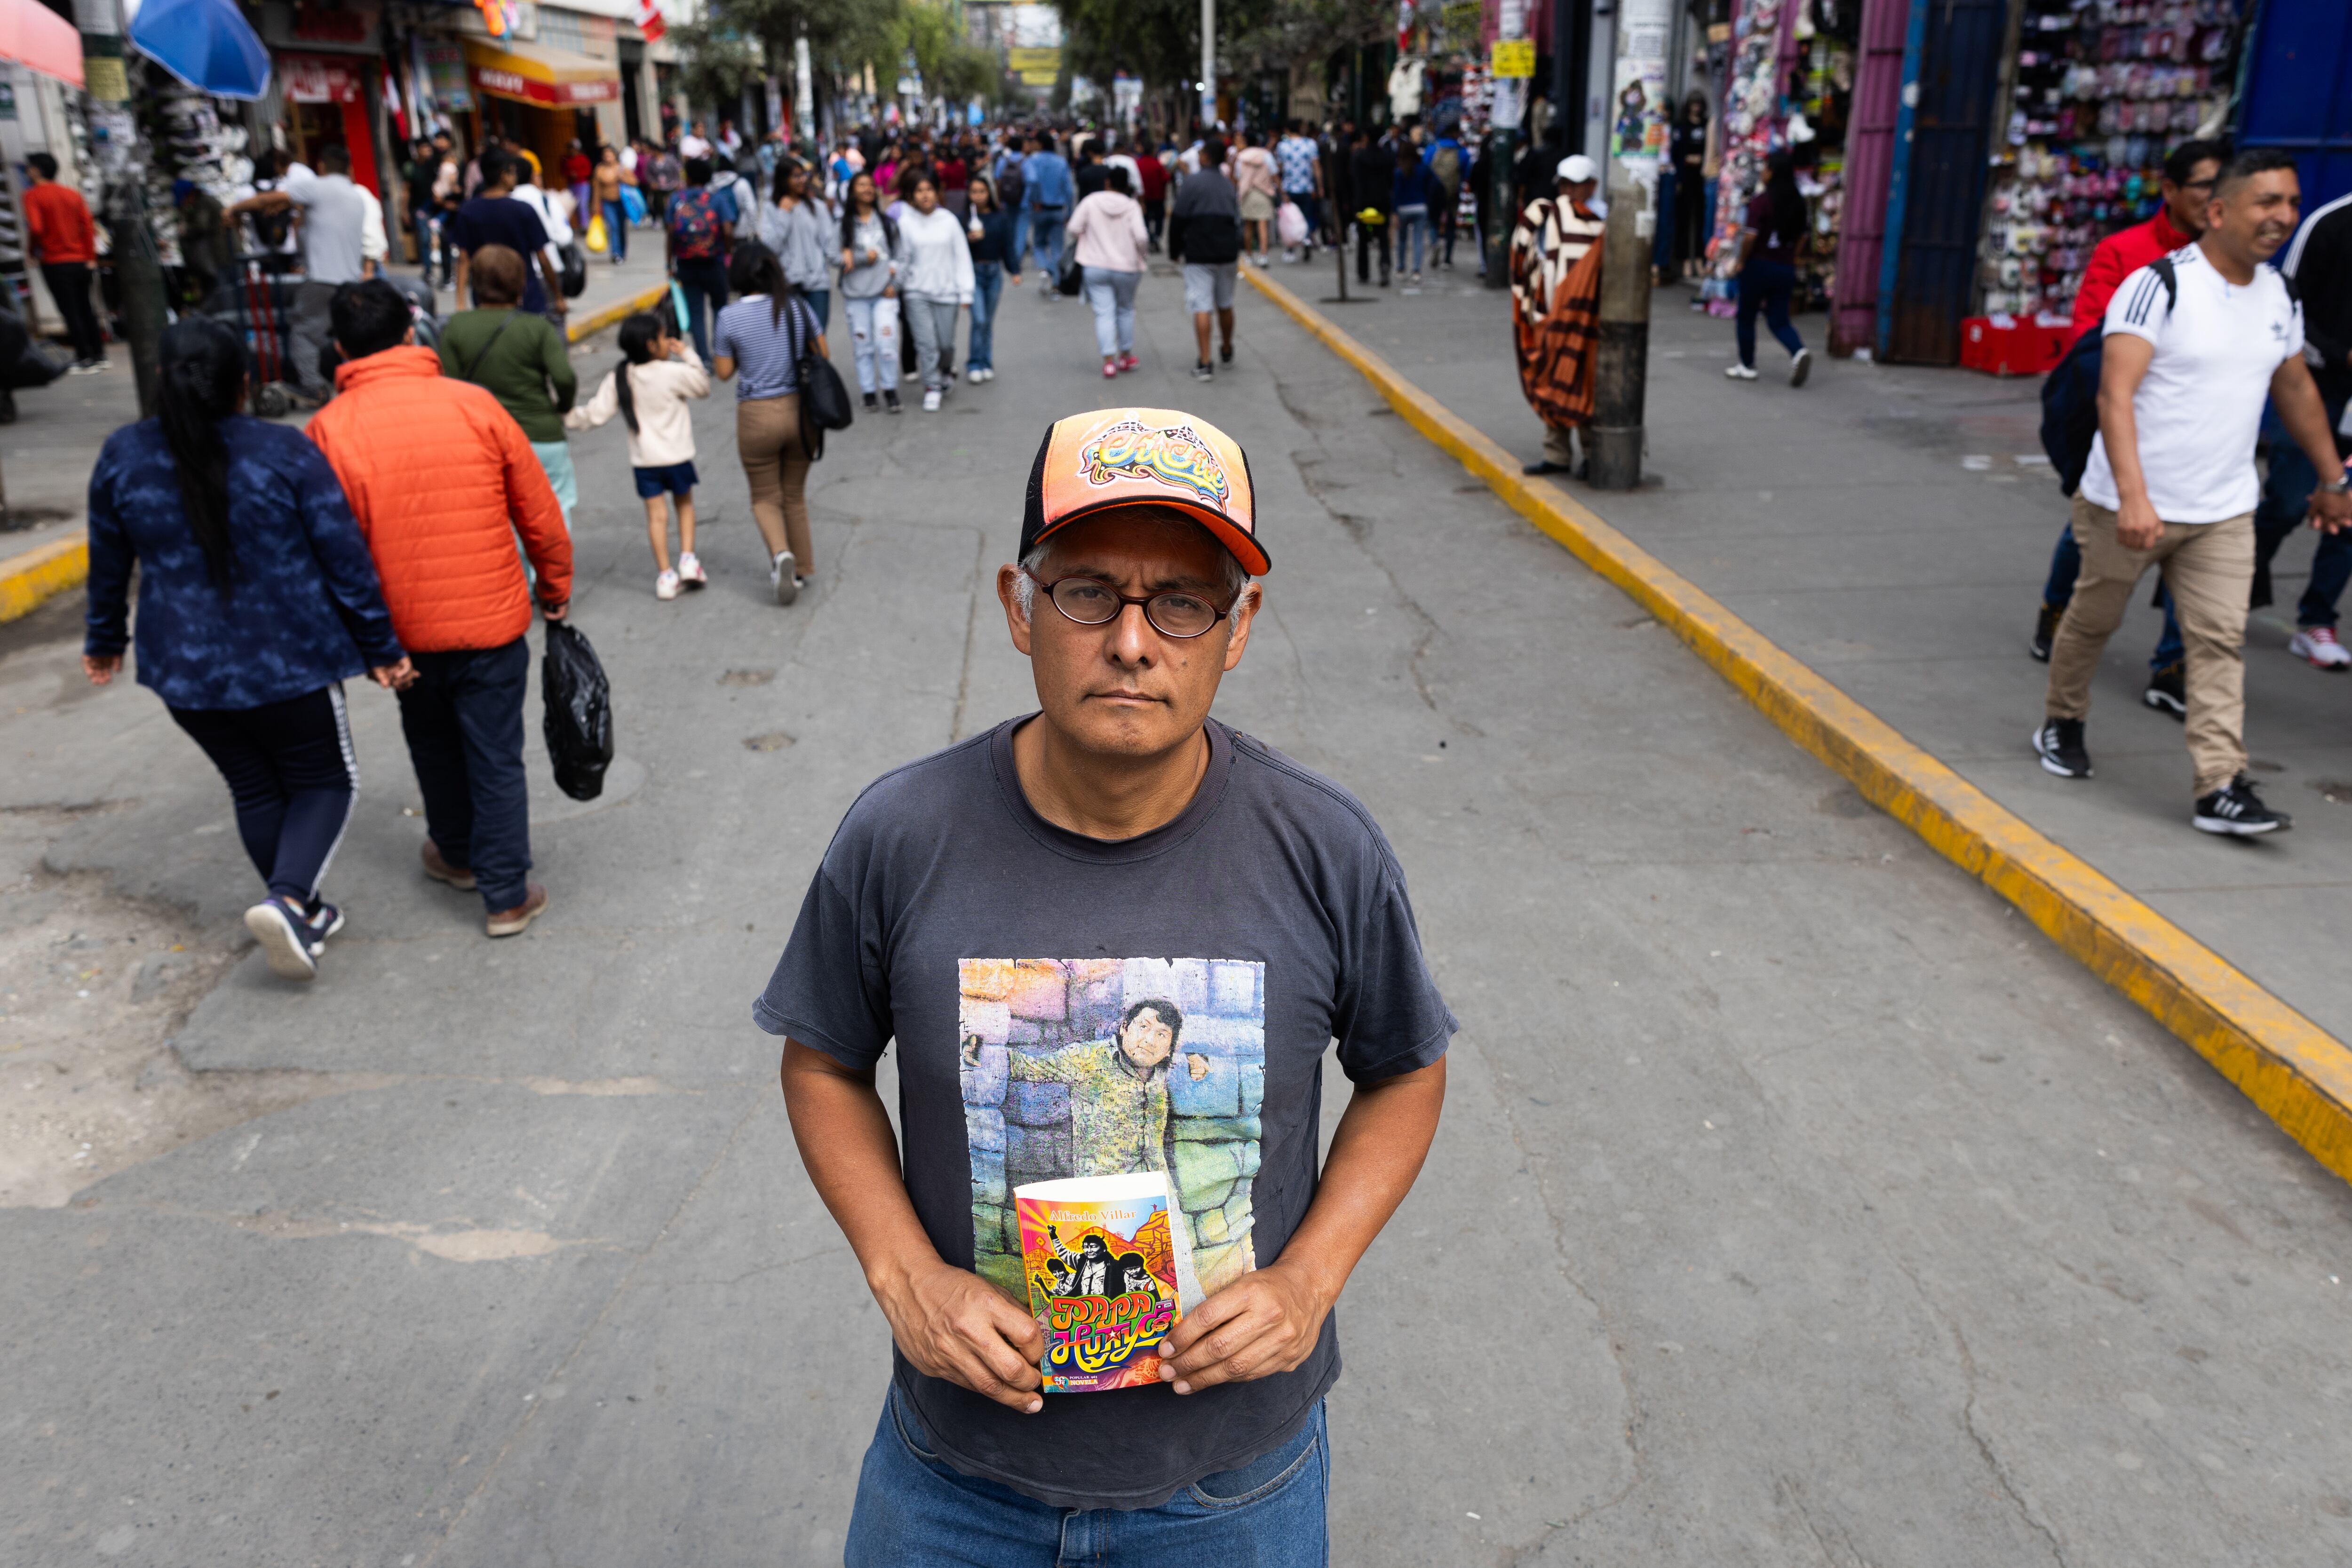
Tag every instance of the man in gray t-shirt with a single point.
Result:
(1113, 938)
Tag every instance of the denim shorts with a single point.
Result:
(1209, 286)
(679, 479)
(913, 1508)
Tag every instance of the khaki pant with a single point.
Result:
(1557, 447)
(768, 438)
(2210, 567)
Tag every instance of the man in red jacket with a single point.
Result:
(440, 479)
(2189, 172)
(64, 241)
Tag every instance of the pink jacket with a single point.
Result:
(1109, 229)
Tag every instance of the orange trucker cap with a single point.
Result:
(1144, 457)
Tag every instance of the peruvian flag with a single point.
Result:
(650, 23)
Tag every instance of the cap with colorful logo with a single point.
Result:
(1144, 457)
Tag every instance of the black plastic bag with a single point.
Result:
(579, 713)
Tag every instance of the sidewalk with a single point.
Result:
(1890, 526)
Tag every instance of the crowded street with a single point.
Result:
(1792, 1198)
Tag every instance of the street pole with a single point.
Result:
(1508, 111)
(1620, 365)
(122, 160)
(1208, 65)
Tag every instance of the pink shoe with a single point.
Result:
(1129, 362)
(1110, 370)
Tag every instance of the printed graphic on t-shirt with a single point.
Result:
(1105, 1067)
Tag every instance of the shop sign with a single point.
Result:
(550, 94)
(1032, 60)
(443, 68)
(307, 78)
(1515, 59)
(347, 24)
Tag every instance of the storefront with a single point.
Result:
(539, 97)
(326, 100)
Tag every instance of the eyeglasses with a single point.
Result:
(1091, 602)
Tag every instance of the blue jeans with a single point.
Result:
(424, 225)
(1112, 294)
(704, 284)
(617, 232)
(1413, 237)
(914, 1510)
(820, 304)
(2066, 562)
(2286, 497)
(1765, 285)
(874, 344)
(463, 722)
(987, 288)
(1046, 235)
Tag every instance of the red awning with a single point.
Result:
(36, 38)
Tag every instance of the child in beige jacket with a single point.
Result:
(649, 390)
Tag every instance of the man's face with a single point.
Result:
(2185, 204)
(1146, 1040)
(1123, 688)
(2258, 214)
(1579, 191)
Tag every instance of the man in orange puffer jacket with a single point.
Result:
(441, 478)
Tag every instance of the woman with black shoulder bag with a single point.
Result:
(769, 342)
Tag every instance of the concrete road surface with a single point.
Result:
(1795, 1203)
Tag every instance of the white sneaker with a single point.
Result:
(690, 573)
(666, 585)
(1801, 367)
(2318, 646)
(975, 375)
(989, 374)
(931, 401)
(783, 577)
(1740, 372)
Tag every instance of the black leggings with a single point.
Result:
(290, 770)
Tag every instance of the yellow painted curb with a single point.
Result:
(2300, 1076)
(29, 580)
(618, 310)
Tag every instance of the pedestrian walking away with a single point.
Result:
(801, 228)
(1046, 192)
(935, 286)
(1257, 185)
(256, 600)
(2193, 344)
(873, 261)
(1205, 233)
(697, 227)
(1771, 236)
(763, 339)
(989, 230)
(495, 217)
(2319, 263)
(659, 375)
(1056, 850)
(2189, 172)
(334, 252)
(607, 182)
(1371, 182)
(1152, 188)
(523, 360)
(1555, 261)
(1302, 184)
(1113, 248)
(1446, 163)
(1412, 192)
(440, 479)
(63, 238)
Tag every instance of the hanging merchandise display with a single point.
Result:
(1828, 35)
(1752, 131)
(2104, 90)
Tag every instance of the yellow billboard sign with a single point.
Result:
(1513, 57)
(1027, 61)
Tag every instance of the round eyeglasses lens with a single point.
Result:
(1181, 615)
(1089, 603)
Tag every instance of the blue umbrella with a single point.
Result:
(207, 43)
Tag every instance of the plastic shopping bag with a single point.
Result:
(579, 722)
(633, 204)
(677, 309)
(1290, 224)
(598, 241)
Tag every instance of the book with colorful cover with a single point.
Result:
(1109, 1276)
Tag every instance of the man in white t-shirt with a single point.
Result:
(335, 251)
(2194, 343)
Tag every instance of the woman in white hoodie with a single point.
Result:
(1107, 230)
(935, 285)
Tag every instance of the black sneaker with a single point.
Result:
(1224, 353)
(2167, 692)
(1204, 370)
(324, 920)
(2045, 630)
(2059, 744)
(870, 403)
(2238, 810)
(890, 402)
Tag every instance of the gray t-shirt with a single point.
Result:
(1006, 956)
(332, 221)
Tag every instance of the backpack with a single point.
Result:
(1446, 168)
(694, 231)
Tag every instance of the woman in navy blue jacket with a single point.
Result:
(256, 600)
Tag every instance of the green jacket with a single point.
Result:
(527, 368)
